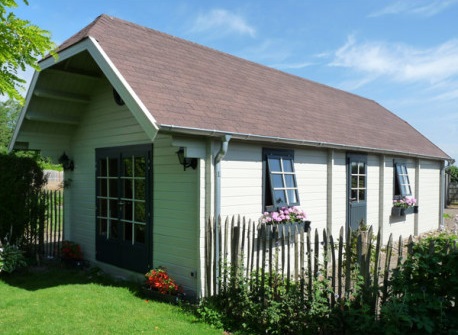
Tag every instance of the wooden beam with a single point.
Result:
(80, 75)
(51, 119)
(65, 96)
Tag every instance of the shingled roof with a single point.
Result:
(188, 86)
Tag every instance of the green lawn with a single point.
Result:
(61, 301)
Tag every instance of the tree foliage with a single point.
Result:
(9, 113)
(21, 44)
(453, 172)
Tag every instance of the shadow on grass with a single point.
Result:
(54, 273)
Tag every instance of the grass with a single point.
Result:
(70, 301)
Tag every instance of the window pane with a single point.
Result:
(140, 189)
(354, 195)
(274, 164)
(362, 195)
(289, 178)
(140, 233)
(279, 197)
(103, 189)
(114, 229)
(113, 211)
(102, 227)
(103, 208)
(140, 214)
(113, 183)
(140, 165)
(354, 168)
(128, 172)
(128, 210)
(113, 167)
(103, 167)
(292, 196)
(277, 180)
(127, 188)
(354, 182)
(362, 168)
(362, 182)
(287, 165)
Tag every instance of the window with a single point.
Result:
(280, 186)
(401, 181)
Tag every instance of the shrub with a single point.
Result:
(424, 290)
(22, 205)
(11, 257)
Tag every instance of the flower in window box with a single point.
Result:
(284, 215)
(405, 202)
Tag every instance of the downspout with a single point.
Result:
(219, 156)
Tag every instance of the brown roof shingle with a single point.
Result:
(188, 85)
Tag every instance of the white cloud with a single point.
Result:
(399, 62)
(223, 22)
(422, 8)
(291, 66)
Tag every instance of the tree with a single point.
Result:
(21, 44)
(9, 112)
(453, 172)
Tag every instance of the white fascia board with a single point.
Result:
(23, 111)
(119, 83)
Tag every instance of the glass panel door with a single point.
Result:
(356, 190)
(123, 207)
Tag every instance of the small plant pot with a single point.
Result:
(158, 296)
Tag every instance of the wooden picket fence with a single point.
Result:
(300, 254)
(45, 232)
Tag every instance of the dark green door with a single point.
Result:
(123, 209)
(356, 190)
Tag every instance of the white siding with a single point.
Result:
(241, 181)
(176, 214)
(429, 196)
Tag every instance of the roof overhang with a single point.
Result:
(294, 142)
(113, 75)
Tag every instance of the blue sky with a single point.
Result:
(401, 53)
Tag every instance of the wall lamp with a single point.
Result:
(66, 162)
(186, 161)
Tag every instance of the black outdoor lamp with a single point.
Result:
(186, 161)
(66, 162)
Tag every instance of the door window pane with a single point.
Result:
(140, 189)
(113, 184)
(113, 229)
(140, 233)
(140, 167)
(128, 171)
(140, 213)
(128, 188)
(113, 167)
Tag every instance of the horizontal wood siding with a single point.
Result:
(176, 214)
(311, 174)
(429, 197)
(339, 192)
(241, 181)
